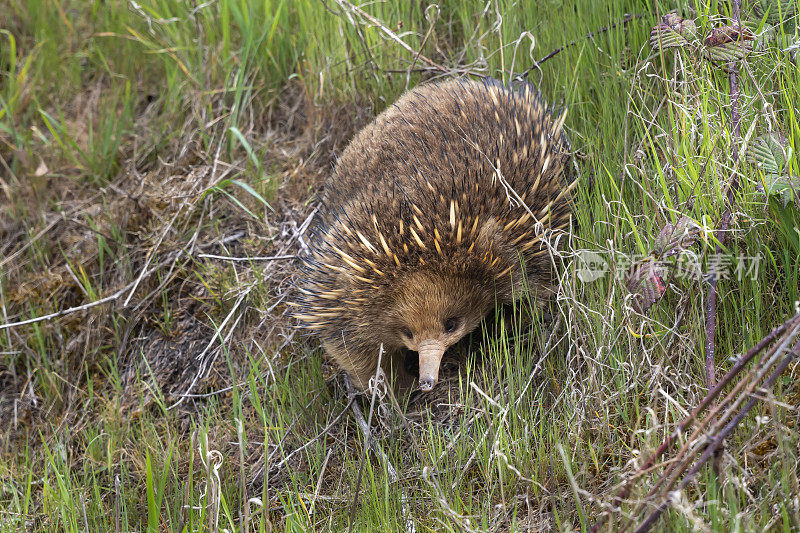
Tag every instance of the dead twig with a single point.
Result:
(65, 216)
(744, 390)
(83, 307)
(392, 35)
(717, 440)
(624, 20)
(711, 313)
(424, 40)
(461, 521)
(206, 363)
(309, 442)
(369, 443)
(248, 259)
(150, 255)
(319, 480)
(787, 327)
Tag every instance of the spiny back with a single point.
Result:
(455, 178)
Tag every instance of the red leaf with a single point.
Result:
(646, 282)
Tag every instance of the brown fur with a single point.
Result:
(420, 222)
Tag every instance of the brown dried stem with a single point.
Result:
(392, 35)
(790, 326)
(731, 404)
(717, 440)
(711, 314)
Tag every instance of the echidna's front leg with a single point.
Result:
(362, 366)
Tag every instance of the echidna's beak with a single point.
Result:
(430, 356)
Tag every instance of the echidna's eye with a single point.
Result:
(450, 325)
(406, 332)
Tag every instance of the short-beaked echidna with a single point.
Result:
(435, 213)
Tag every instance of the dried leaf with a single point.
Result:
(673, 32)
(645, 280)
(41, 170)
(770, 152)
(674, 238)
(728, 43)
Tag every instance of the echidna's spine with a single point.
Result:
(429, 185)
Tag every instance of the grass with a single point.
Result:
(141, 142)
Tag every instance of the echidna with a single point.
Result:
(435, 213)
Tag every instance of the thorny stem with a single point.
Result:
(717, 441)
(625, 490)
(711, 314)
(718, 419)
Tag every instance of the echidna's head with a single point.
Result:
(429, 312)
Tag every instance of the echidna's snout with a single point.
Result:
(416, 240)
(430, 356)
